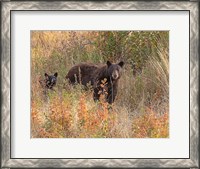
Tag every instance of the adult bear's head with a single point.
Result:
(115, 70)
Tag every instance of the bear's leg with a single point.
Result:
(112, 92)
(96, 94)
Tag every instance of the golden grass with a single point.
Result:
(141, 109)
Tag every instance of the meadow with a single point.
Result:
(141, 108)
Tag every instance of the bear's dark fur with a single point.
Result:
(82, 73)
(103, 78)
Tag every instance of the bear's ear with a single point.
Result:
(46, 75)
(109, 63)
(121, 63)
(56, 74)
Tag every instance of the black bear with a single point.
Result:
(50, 81)
(103, 78)
(82, 73)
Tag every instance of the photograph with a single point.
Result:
(99, 84)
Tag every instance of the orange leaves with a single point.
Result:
(88, 119)
(94, 121)
(35, 114)
(35, 117)
(60, 115)
(104, 89)
(151, 125)
(80, 117)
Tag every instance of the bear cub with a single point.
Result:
(103, 78)
(50, 81)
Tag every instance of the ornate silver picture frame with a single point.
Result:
(7, 7)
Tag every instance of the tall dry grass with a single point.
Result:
(141, 109)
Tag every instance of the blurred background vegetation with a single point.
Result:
(142, 104)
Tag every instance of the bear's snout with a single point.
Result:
(115, 74)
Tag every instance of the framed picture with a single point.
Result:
(100, 84)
